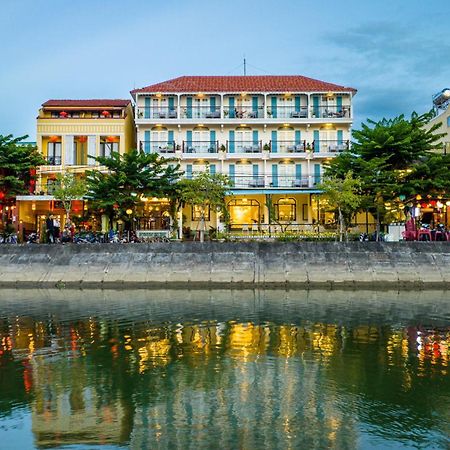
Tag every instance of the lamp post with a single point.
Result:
(129, 211)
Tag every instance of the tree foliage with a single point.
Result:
(206, 190)
(16, 163)
(122, 180)
(343, 194)
(69, 188)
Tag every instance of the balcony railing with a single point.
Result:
(288, 146)
(244, 146)
(157, 112)
(200, 112)
(270, 181)
(330, 112)
(200, 146)
(246, 112)
(326, 146)
(53, 160)
(287, 112)
(157, 146)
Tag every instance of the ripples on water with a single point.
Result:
(222, 369)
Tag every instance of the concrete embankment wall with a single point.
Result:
(327, 265)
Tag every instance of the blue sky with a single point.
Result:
(396, 52)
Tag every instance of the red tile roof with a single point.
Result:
(90, 103)
(250, 83)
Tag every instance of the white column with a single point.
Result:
(91, 149)
(68, 150)
(178, 106)
(221, 106)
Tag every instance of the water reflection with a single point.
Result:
(243, 369)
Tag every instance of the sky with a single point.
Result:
(396, 53)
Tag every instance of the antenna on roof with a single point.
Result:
(245, 66)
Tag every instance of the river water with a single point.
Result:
(224, 369)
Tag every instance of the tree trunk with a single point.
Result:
(377, 233)
(341, 225)
(202, 228)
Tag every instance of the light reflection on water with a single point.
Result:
(228, 369)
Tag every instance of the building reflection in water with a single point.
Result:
(236, 383)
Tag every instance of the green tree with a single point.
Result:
(206, 191)
(345, 197)
(69, 188)
(17, 162)
(122, 180)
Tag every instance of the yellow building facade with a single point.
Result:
(70, 133)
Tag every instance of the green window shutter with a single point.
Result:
(212, 104)
(170, 139)
(188, 140)
(255, 105)
(171, 104)
(189, 171)
(275, 175)
(298, 137)
(316, 173)
(212, 148)
(274, 148)
(212, 169)
(231, 112)
(231, 141)
(255, 172)
(316, 112)
(255, 137)
(316, 141)
(274, 107)
(340, 137)
(297, 104)
(339, 103)
(298, 172)
(231, 173)
(147, 108)
(147, 142)
(189, 107)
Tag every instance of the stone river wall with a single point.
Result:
(410, 265)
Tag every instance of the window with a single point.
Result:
(107, 147)
(52, 184)
(198, 210)
(286, 210)
(54, 153)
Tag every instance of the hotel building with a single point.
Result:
(269, 134)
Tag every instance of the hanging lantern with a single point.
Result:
(112, 138)
(418, 197)
(105, 113)
(54, 138)
(433, 202)
(116, 206)
(424, 205)
(63, 114)
(82, 139)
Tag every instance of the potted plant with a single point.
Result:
(266, 148)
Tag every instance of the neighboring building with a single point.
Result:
(269, 134)
(68, 133)
(444, 119)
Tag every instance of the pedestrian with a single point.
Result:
(50, 229)
(56, 229)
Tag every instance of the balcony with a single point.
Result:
(330, 112)
(53, 160)
(287, 112)
(156, 112)
(161, 147)
(200, 112)
(333, 146)
(200, 146)
(243, 112)
(288, 146)
(271, 182)
(244, 146)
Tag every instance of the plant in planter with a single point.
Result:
(266, 148)
(222, 148)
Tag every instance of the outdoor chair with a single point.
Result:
(245, 228)
(172, 114)
(255, 228)
(424, 235)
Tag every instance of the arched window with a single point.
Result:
(244, 211)
(286, 210)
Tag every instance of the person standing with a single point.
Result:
(56, 229)
(50, 229)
